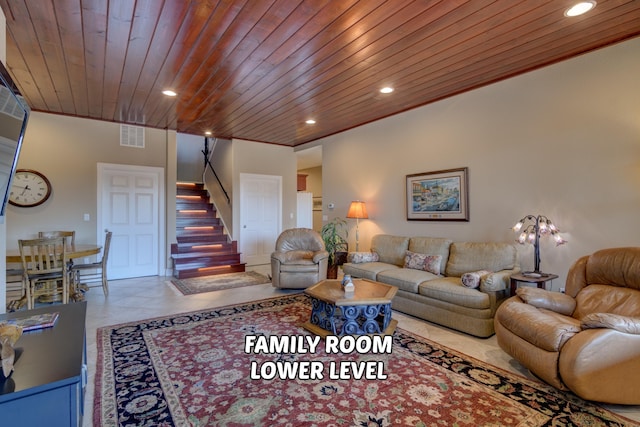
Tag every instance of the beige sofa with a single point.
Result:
(442, 298)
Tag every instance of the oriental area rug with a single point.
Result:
(223, 367)
(197, 285)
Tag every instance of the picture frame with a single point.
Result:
(438, 196)
(317, 203)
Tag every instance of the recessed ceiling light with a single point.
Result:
(169, 92)
(208, 133)
(310, 122)
(580, 8)
(386, 89)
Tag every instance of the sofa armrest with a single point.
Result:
(541, 298)
(497, 281)
(279, 256)
(602, 365)
(626, 324)
(319, 256)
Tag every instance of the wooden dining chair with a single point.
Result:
(69, 236)
(69, 240)
(44, 262)
(15, 288)
(95, 272)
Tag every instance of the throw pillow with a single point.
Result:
(473, 278)
(432, 264)
(360, 257)
(417, 261)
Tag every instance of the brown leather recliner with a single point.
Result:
(587, 340)
(300, 259)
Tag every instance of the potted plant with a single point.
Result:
(334, 233)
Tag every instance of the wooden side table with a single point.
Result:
(540, 282)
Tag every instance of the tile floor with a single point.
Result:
(143, 298)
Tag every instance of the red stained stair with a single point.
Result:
(202, 249)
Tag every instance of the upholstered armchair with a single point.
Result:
(587, 340)
(300, 259)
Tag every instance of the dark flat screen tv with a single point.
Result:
(14, 114)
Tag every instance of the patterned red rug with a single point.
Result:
(196, 369)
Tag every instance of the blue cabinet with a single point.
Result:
(47, 384)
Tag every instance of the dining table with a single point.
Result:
(73, 251)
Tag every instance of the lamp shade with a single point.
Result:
(357, 210)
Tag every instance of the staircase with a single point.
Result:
(202, 249)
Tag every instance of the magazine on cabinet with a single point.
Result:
(37, 321)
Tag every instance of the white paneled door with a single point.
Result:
(260, 216)
(131, 205)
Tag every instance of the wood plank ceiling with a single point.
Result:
(258, 69)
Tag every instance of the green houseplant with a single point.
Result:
(334, 233)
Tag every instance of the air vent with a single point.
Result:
(132, 136)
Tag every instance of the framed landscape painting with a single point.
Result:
(438, 196)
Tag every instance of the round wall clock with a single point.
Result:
(29, 188)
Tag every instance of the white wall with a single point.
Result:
(190, 158)
(563, 141)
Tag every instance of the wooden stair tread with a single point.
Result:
(188, 255)
(187, 274)
(195, 239)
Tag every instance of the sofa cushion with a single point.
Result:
(367, 270)
(390, 249)
(405, 278)
(416, 261)
(470, 256)
(450, 289)
(432, 246)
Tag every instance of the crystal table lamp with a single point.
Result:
(534, 227)
(357, 210)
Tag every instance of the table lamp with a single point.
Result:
(357, 210)
(536, 226)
